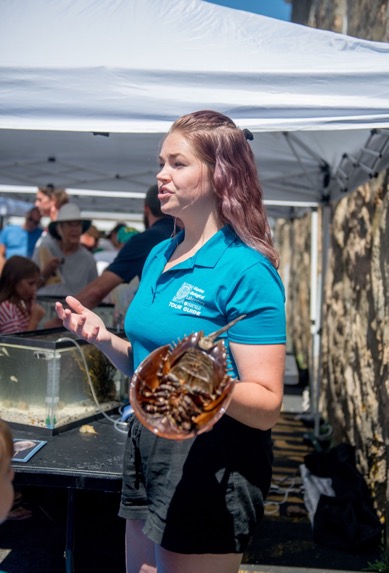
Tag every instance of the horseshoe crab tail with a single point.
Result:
(209, 341)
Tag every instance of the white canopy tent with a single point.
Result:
(73, 68)
(89, 88)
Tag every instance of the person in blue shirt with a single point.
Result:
(21, 239)
(192, 504)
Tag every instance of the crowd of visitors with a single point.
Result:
(63, 258)
(74, 257)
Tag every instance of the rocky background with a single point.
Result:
(354, 365)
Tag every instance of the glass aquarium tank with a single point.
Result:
(52, 380)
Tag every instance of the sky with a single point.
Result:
(274, 8)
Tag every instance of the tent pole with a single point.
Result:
(314, 390)
(319, 284)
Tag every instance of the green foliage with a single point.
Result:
(381, 565)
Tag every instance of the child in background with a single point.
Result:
(6, 471)
(19, 310)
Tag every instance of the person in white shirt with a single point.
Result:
(66, 265)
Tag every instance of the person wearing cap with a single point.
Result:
(125, 234)
(113, 235)
(131, 258)
(66, 265)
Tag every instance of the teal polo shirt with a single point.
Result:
(223, 280)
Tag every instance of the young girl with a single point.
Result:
(18, 284)
(19, 312)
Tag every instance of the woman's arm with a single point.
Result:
(89, 326)
(257, 395)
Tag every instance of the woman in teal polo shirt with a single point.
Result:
(191, 505)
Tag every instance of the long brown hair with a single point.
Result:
(58, 195)
(220, 144)
(15, 269)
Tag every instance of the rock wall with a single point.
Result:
(355, 359)
(293, 242)
(355, 338)
(367, 19)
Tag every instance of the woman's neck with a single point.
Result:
(195, 237)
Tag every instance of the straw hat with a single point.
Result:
(68, 212)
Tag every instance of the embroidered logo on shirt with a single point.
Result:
(183, 292)
(188, 298)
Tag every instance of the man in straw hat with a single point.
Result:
(66, 266)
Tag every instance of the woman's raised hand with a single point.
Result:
(82, 321)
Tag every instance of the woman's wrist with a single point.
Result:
(105, 344)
